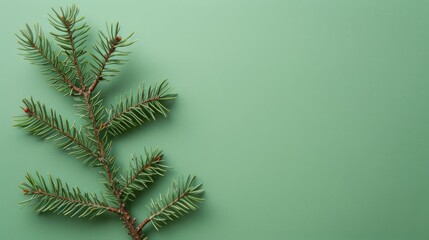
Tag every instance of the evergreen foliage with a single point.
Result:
(76, 73)
(52, 195)
(49, 125)
(38, 49)
(133, 110)
(143, 170)
(181, 198)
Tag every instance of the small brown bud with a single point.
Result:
(118, 38)
(25, 191)
(26, 110)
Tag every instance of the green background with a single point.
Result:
(303, 119)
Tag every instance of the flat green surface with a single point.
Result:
(303, 119)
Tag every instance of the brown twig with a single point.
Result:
(125, 215)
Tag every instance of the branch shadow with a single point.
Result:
(131, 72)
(82, 223)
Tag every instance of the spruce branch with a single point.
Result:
(143, 170)
(38, 49)
(71, 36)
(108, 54)
(181, 198)
(133, 110)
(92, 142)
(52, 195)
(49, 125)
